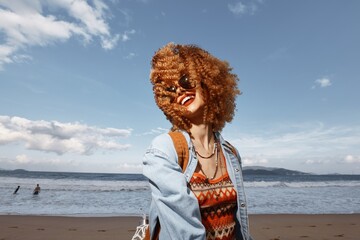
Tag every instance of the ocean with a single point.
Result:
(101, 194)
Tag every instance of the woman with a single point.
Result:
(196, 92)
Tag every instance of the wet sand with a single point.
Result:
(267, 227)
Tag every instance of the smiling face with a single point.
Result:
(183, 95)
(187, 94)
(192, 86)
(193, 101)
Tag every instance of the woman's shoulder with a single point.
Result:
(166, 140)
(161, 139)
(162, 143)
(227, 145)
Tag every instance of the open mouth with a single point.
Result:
(187, 99)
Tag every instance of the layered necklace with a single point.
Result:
(207, 157)
(215, 150)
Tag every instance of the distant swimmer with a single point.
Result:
(36, 190)
(16, 190)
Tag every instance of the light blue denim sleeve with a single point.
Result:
(176, 206)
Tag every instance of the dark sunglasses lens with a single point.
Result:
(185, 83)
(171, 89)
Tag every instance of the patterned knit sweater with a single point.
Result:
(217, 201)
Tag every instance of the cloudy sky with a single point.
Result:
(75, 92)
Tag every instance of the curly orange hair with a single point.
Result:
(218, 83)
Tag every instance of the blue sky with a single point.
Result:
(75, 91)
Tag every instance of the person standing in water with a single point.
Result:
(36, 190)
(16, 190)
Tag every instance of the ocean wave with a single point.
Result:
(283, 184)
(75, 185)
(114, 186)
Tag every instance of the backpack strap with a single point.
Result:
(181, 147)
(233, 150)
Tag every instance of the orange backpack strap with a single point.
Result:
(182, 149)
(233, 149)
(156, 232)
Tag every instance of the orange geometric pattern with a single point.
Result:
(217, 201)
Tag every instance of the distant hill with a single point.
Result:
(258, 170)
(14, 170)
(250, 170)
(20, 170)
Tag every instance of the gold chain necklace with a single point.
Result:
(207, 157)
(216, 165)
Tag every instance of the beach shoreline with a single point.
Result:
(262, 226)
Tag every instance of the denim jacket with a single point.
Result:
(173, 203)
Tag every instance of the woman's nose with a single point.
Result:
(179, 90)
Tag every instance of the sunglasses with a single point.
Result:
(184, 82)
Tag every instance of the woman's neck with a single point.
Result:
(202, 135)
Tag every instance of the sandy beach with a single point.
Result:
(274, 227)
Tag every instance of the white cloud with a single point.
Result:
(22, 58)
(241, 8)
(130, 56)
(316, 161)
(351, 159)
(22, 159)
(322, 82)
(34, 23)
(237, 8)
(157, 131)
(60, 137)
(254, 161)
(47, 163)
(110, 43)
(308, 143)
(127, 167)
(126, 35)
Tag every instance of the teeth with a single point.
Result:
(186, 99)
